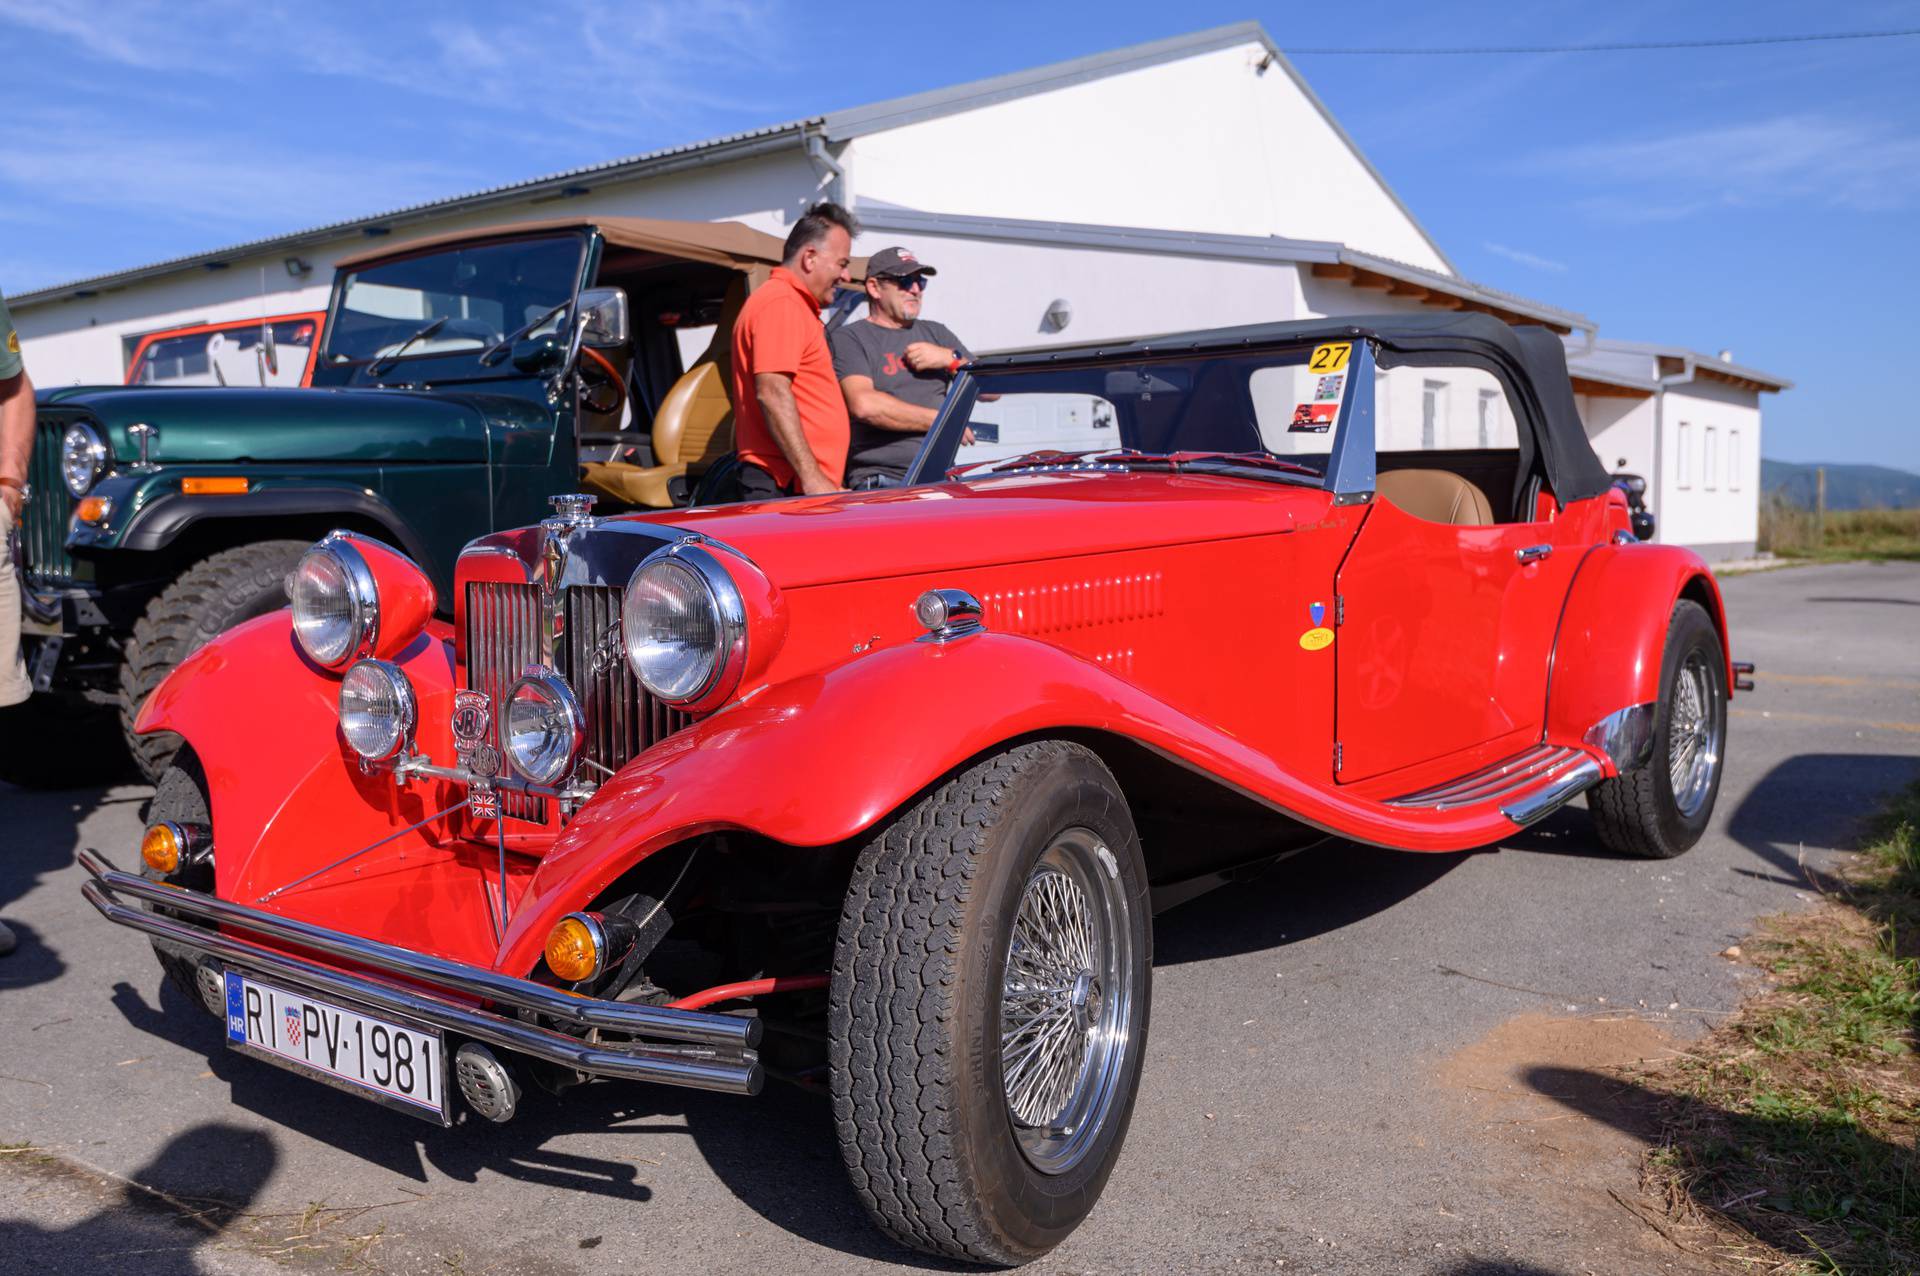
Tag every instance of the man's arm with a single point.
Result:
(885, 411)
(16, 435)
(774, 390)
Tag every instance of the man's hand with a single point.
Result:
(815, 484)
(924, 356)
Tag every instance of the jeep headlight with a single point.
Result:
(336, 609)
(545, 729)
(684, 625)
(377, 709)
(83, 458)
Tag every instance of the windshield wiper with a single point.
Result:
(491, 355)
(1250, 464)
(380, 365)
(1228, 462)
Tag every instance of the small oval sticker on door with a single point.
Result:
(1315, 639)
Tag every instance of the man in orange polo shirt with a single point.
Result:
(790, 418)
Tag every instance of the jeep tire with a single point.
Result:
(1660, 808)
(1012, 896)
(213, 595)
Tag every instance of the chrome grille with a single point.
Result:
(503, 638)
(43, 532)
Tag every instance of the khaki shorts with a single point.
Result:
(14, 686)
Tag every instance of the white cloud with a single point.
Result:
(1865, 166)
(1532, 261)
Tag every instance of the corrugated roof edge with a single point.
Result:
(1712, 363)
(851, 123)
(877, 215)
(731, 146)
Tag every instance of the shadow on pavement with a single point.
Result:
(1814, 801)
(39, 834)
(157, 1232)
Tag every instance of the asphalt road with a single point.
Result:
(1363, 1062)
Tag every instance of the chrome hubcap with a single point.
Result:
(1694, 732)
(1066, 996)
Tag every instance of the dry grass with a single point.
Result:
(1791, 1130)
(1793, 532)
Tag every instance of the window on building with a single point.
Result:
(1382, 401)
(1489, 416)
(1431, 407)
(1683, 455)
(1733, 460)
(1710, 461)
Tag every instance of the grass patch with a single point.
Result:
(1792, 532)
(1791, 1129)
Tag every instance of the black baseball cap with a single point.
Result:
(896, 263)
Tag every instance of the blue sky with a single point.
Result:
(1764, 200)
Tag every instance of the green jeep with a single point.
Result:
(464, 380)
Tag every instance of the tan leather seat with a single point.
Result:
(1439, 496)
(693, 428)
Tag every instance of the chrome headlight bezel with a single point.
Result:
(362, 597)
(83, 458)
(697, 569)
(405, 712)
(572, 721)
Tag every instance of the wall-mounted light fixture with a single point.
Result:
(1059, 315)
(297, 268)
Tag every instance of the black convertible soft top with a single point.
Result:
(1534, 355)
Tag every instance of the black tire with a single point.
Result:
(213, 595)
(49, 742)
(920, 1105)
(1639, 812)
(180, 796)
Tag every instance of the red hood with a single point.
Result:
(872, 535)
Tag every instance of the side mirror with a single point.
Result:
(1642, 524)
(603, 317)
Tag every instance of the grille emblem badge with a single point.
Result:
(472, 717)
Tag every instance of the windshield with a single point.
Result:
(1280, 409)
(480, 294)
(233, 355)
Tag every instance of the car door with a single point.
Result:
(1448, 599)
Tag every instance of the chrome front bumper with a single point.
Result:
(675, 1047)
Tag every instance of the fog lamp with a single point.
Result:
(164, 846)
(545, 729)
(575, 947)
(378, 712)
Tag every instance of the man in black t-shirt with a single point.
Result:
(894, 368)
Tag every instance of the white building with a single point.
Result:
(1187, 183)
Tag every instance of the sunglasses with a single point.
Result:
(908, 283)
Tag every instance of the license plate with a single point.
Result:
(399, 1065)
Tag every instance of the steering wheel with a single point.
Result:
(603, 389)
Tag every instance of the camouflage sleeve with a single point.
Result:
(10, 365)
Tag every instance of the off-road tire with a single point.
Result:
(180, 796)
(1636, 813)
(213, 595)
(914, 1015)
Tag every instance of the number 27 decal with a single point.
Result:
(1331, 357)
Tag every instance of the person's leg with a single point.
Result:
(756, 484)
(868, 478)
(14, 686)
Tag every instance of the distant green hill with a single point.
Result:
(1849, 487)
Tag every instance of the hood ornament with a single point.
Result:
(572, 512)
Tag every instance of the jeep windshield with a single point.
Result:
(431, 316)
(1269, 416)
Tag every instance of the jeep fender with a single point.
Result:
(161, 522)
(1613, 631)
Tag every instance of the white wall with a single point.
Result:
(994, 294)
(1705, 497)
(1621, 431)
(79, 341)
(1207, 143)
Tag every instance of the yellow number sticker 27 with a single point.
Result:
(1331, 357)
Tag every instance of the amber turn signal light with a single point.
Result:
(161, 848)
(235, 486)
(94, 509)
(574, 948)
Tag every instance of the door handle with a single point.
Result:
(1533, 553)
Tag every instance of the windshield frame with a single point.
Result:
(442, 365)
(1350, 462)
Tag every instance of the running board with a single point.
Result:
(1533, 783)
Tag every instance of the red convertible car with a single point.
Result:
(878, 793)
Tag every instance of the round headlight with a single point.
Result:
(683, 624)
(336, 614)
(83, 458)
(545, 730)
(377, 709)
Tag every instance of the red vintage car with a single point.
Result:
(878, 793)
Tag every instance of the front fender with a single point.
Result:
(1613, 632)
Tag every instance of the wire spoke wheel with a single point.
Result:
(1065, 1004)
(1694, 736)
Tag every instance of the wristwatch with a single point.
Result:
(25, 489)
